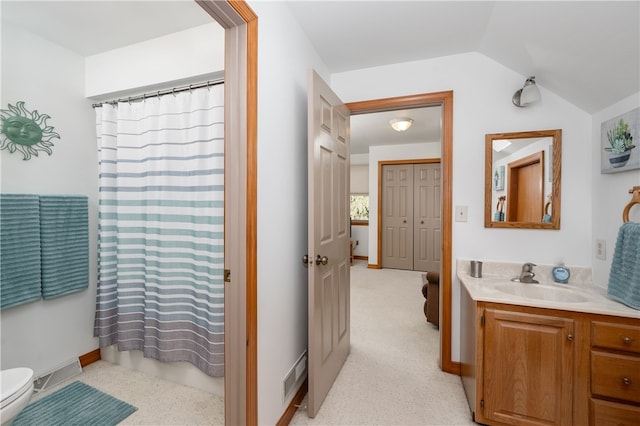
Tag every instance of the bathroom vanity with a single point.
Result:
(552, 354)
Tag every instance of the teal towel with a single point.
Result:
(64, 239)
(624, 277)
(20, 280)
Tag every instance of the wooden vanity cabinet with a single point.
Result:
(534, 366)
(523, 366)
(528, 368)
(615, 373)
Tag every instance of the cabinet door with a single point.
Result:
(528, 364)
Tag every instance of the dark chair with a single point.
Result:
(431, 292)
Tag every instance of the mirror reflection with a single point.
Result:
(522, 179)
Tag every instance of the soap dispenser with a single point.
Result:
(561, 274)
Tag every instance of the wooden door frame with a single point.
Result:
(241, 124)
(514, 168)
(380, 165)
(445, 100)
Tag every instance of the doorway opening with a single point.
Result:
(445, 101)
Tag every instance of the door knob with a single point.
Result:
(322, 260)
(422, 222)
(305, 259)
(404, 221)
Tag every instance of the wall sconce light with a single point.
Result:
(528, 94)
(401, 124)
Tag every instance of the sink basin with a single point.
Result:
(542, 292)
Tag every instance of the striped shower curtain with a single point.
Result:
(161, 224)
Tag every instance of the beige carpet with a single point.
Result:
(159, 402)
(391, 376)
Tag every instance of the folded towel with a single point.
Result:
(20, 280)
(624, 277)
(64, 239)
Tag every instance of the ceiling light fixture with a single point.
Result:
(500, 144)
(528, 94)
(401, 124)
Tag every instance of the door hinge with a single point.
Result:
(482, 320)
(227, 275)
(482, 404)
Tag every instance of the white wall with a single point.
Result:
(360, 185)
(44, 335)
(390, 153)
(360, 235)
(284, 57)
(482, 104)
(610, 193)
(359, 179)
(183, 57)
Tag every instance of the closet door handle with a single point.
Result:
(322, 260)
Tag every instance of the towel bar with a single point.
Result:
(635, 199)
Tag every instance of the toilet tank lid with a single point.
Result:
(13, 380)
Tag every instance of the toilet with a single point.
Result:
(17, 388)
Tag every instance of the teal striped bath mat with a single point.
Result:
(75, 404)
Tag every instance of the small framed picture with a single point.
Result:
(620, 139)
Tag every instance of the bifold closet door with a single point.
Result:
(411, 222)
(397, 216)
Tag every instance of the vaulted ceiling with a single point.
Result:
(588, 52)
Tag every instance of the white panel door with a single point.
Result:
(328, 210)
(397, 216)
(427, 220)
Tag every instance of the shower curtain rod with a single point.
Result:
(159, 93)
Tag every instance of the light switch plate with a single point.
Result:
(461, 213)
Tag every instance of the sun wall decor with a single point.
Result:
(26, 132)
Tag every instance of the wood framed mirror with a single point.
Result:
(522, 179)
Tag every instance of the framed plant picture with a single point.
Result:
(619, 138)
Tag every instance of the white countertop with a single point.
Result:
(579, 295)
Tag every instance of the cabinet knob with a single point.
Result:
(626, 381)
(626, 340)
(570, 337)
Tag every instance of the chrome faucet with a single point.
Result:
(527, 274)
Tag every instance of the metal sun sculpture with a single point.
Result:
(26, 132)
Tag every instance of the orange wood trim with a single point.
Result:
(292, 408)
(89, 358)
(400, 102)
(251, 19)
(360, 222)
(371, 266)
(445, 99)
(244, 10)
(361, 257)
(379, 233)
(418, 161)
(447, 363)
